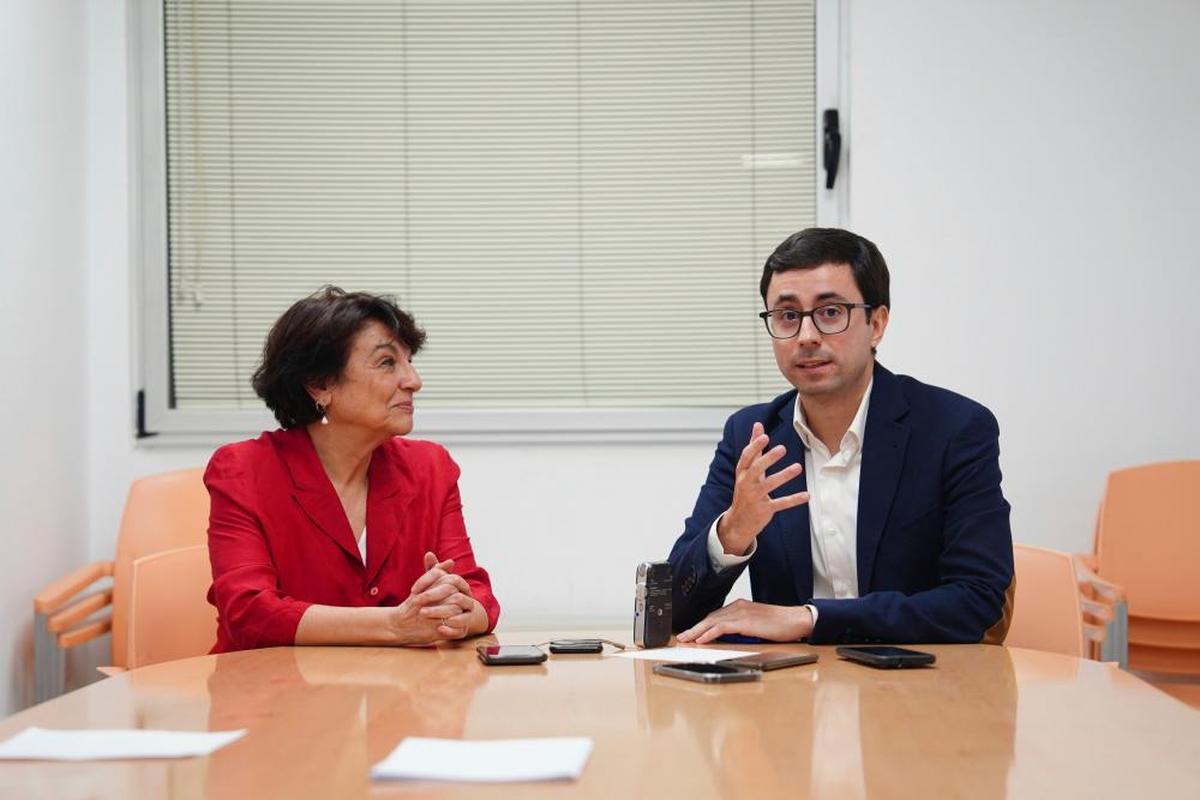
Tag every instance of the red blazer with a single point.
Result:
(279, 539)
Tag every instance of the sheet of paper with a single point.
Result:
(703, 655)
(496, 760)
(85, 745)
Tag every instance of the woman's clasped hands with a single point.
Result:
(440, 607)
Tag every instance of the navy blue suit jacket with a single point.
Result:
(935, 558)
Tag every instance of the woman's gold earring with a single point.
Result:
(321, 410)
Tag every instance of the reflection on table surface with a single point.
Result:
(985, 722)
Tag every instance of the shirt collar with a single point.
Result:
(853, 438)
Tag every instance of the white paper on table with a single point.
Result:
(417, 758)
(702, 655)
(85, 745)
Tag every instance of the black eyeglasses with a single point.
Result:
(830, 318)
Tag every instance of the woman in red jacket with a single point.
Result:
(335, 530)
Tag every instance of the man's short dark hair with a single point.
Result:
(812, 247)
(310, 343)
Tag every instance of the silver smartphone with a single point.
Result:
(708, 673)
(495, 655)
(770, 661)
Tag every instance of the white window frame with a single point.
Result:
(159, 424)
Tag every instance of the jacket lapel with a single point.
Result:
(314, 493)
(389, 493)
(792, 524)
(884, 444)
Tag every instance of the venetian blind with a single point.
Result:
(574, 199)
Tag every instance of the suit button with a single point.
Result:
(374, 591)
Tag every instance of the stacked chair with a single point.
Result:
(155, 600)
(1148, 542)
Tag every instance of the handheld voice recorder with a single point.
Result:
(652, 604)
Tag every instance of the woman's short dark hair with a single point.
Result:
(309, 345)
(812, 247)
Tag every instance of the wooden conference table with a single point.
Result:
(985, 722)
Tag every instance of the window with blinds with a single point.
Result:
(574, 199)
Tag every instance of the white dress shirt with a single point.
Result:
(832, 509)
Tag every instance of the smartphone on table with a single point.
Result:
(887, 657)
(769, 661)
(707, 673)
(495, 655)
(576, 646)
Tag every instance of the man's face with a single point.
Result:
(820, 364)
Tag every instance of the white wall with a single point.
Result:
(549, 521)
(1030, 171)
(1026, 169)
(43, 328)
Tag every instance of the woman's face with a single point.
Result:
(375, 390)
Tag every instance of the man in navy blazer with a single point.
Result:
(867, 505)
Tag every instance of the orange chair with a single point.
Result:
(1047, 609)
(162, 512)
(1105, 614)
(1148, 541)
(168, 615)
(1188, 693)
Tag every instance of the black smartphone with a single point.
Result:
(887, 657)
(707, 673)
(568, 646)
(770, 661)
(495, 655)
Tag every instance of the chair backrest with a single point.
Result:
(169, 617)
(1148, 538)
(162, 512)
(1047, 613)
